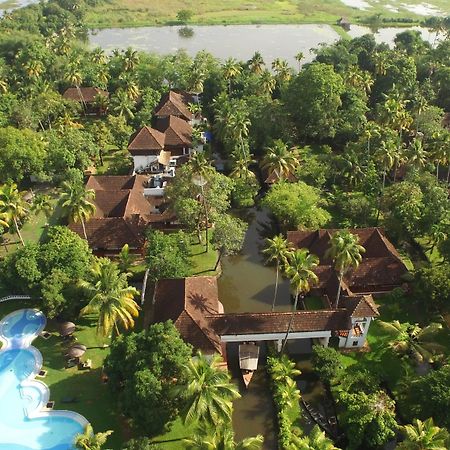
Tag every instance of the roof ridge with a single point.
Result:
(268, 313)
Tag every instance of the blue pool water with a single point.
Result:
(23, 426)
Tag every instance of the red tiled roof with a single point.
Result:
(146, 140)
(187, 302)
(360, 306)
(84, 94)
(112, 233)
(174, 104)
(277, 322)
(121, 200)
(381, 267)
(177, 132)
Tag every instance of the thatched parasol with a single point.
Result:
(66, 328)
(76, 351)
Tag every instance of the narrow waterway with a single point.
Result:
(247, 283)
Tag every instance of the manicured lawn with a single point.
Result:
(93, 398)
(134, 13)
(35, 226)
(173, 439)
(115, 162)
(313, 303)
(202, 263)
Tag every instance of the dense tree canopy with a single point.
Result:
(143, 369)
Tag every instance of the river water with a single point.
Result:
(237, 41)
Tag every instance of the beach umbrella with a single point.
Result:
(76, 351)
(67, 328)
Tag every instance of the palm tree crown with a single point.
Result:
(281, 160)
(277, 252)
(315, 441)
(13, 207)
(88, 440)
(300, 270)
(110, 297)
(424, 436)
(413, 341)
(346, 253)
(209, 392)
(76, 201)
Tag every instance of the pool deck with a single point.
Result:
(17, 336)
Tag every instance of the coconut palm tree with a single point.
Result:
(386, 155)
(282, 70)
(201, 171)
(424, 436)
(256, 63)
(220, 438)
(76, 202)
(371, 129)
(267, 82)
(110, 297)
(13, 207)
(280, 159)
(231, 69)
(98, 56)
(130, 59)
(440, 151)
(88, 440)
(284, 368)
(346, 253)
(122, 104)
(298, 57)
(238, 128)
(416, 154)
(413, 341)
(277, 250)
(316, 440)
(241, 167)
(300, 270)
(42, 203)
(208, 392)
(289, 394)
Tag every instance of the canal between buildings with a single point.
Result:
(247, 285)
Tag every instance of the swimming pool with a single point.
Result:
(23, 424)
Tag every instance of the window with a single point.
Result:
(355, 343)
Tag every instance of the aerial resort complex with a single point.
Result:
(224, 226)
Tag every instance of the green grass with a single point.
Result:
(115, 162)
(313, 303)
(34, 227)
(202, 262)
(173, 439)
(94, 399)
(135, 13)
(381, 360)
(433, 256)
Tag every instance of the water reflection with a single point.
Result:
(238, 41)
(247, 284)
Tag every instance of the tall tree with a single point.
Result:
(277, 250)
(76, 202)
(110, 297)
(346, 253)
(424, 436)
(221, 438)
(281, 160)
(208, 392)
(413, 341)
(13, 207)
(228, 236)
(316, 440)
(300, 270)
(88, 440)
